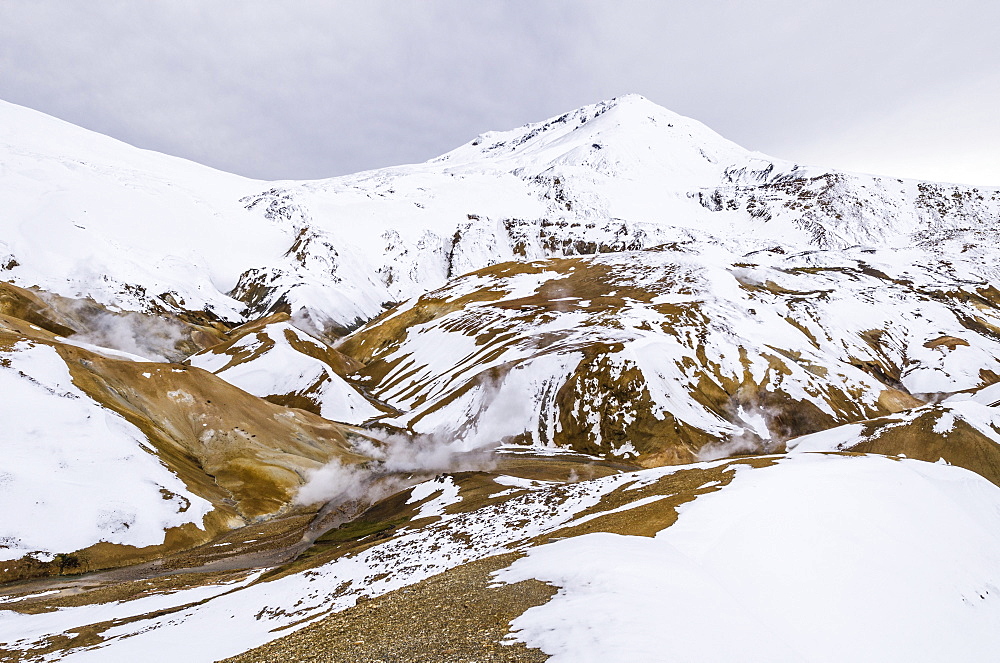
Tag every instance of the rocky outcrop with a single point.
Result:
(676, 354)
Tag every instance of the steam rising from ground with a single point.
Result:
(396, 459)
(755, 437)
(151, 337)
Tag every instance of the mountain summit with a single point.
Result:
(625, 136)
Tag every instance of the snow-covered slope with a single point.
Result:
(75, 473)
(84, 215)
(274, 360)
(108, 459)
(685, 350)
(807, 558)
(826, 584)
(618, 175)
(962, 430)
(87, 216)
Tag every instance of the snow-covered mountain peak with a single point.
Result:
(627, 135)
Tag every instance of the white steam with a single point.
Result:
(150, 337)
(396, 458)
(334, 480)
(754, 437)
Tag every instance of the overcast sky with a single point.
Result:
(309, 89)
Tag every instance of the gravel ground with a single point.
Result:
(454, 617)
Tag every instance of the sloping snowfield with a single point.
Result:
(74, 473)
(818, 558)
(813, 558)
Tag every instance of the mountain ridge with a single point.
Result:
(340, 248)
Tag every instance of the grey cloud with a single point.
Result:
(312, 89)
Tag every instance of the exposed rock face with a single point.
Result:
(272, 359)
(682, 351)
(218, 456)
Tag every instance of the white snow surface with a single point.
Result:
(944, 417)
(491, 370)
(73, 473)
(16, 627)
(817, 558)
(446, 494)
(274, 367)
(779, 564)
(88, 216)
